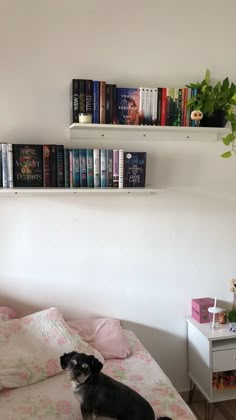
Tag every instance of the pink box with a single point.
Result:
(200, 309)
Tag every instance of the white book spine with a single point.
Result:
(4, 165)
(121, 168)
(154, 106)
(96, 168)
(10, 165)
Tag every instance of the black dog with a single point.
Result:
(101, 396)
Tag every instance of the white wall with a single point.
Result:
(141, 259)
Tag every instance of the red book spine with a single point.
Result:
(163, 106)
(102, 102)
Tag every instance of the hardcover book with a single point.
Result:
(74, 101)
(83, 168)
(60, 166)
(28, 165)
(134, 169)
(89, 162)
(127, 101)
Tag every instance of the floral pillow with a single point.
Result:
(30, 347)
(7, 313)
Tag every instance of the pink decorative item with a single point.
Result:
(200, 309)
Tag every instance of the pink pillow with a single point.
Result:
(104, 334)
(7, 313)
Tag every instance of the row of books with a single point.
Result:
(109, 104)
(224, 380)
(52, 166)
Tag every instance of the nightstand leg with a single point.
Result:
(191, 392)
(209, 410)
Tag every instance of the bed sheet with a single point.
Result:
(53, 398)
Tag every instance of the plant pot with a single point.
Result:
(218, 119)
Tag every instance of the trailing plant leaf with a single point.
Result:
(226, 154)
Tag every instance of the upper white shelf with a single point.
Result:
(141, 132)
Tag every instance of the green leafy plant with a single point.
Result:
(212, 98)
(232, 315)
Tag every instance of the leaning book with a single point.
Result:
(134, 169)
(27, 165)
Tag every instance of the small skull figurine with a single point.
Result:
(196, 116)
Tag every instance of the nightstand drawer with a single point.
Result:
(224, 360)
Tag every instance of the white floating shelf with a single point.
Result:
(5, 192)
(140, 132)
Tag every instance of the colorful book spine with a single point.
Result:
(4, 166)
(142, 105)
(96, 168)
(83, 168)
(102, 102)
(103, 168)
(71, 159)
(76, 168)
(121, 168)
(67, 167)
(75, 101)
(10, 165)
(154, 106)
(96, 102)
(89, 162)
(46, 166)
(109, 168)
(115, 168)
(128, 106)
(60, 166)
(89, 96)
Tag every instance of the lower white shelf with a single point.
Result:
(75, 191)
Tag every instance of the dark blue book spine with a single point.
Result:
(83, 168)
(76, 168)
(134, 169)
(96, 102)
(67, 167)
(90, 175)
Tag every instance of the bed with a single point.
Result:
(52, 398)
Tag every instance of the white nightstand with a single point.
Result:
(211, 352)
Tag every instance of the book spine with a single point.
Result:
(74, 101)
(0, 166)
(154, 106)
(71, 158)
(82, 96)
(147, 109)
(108, 109)
(121, 168)
(4, 166)
(96, 102)
(53, 156)
(141, 105)
(159, 102)
(109, 168)
(115, 168)
(89, 161)
(103, 167)
(89, 96)
(113, 100)
(83, 168)
(176, 104)
(10, 165)
(102, 102)
(96, 167)
(67, 168)
(76, 168)
(188, 119)
(46, 166)
(179, 106)
(60, 166)
(163, 106)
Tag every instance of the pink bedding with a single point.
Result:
(53, 399)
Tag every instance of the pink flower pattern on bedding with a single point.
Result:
(53, 398)
(7, 313)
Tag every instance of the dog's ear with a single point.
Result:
(94, 364)
(64, 360)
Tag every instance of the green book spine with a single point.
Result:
(90, 175)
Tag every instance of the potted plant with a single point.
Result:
(216, 103)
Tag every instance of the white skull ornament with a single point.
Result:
(196, 116)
